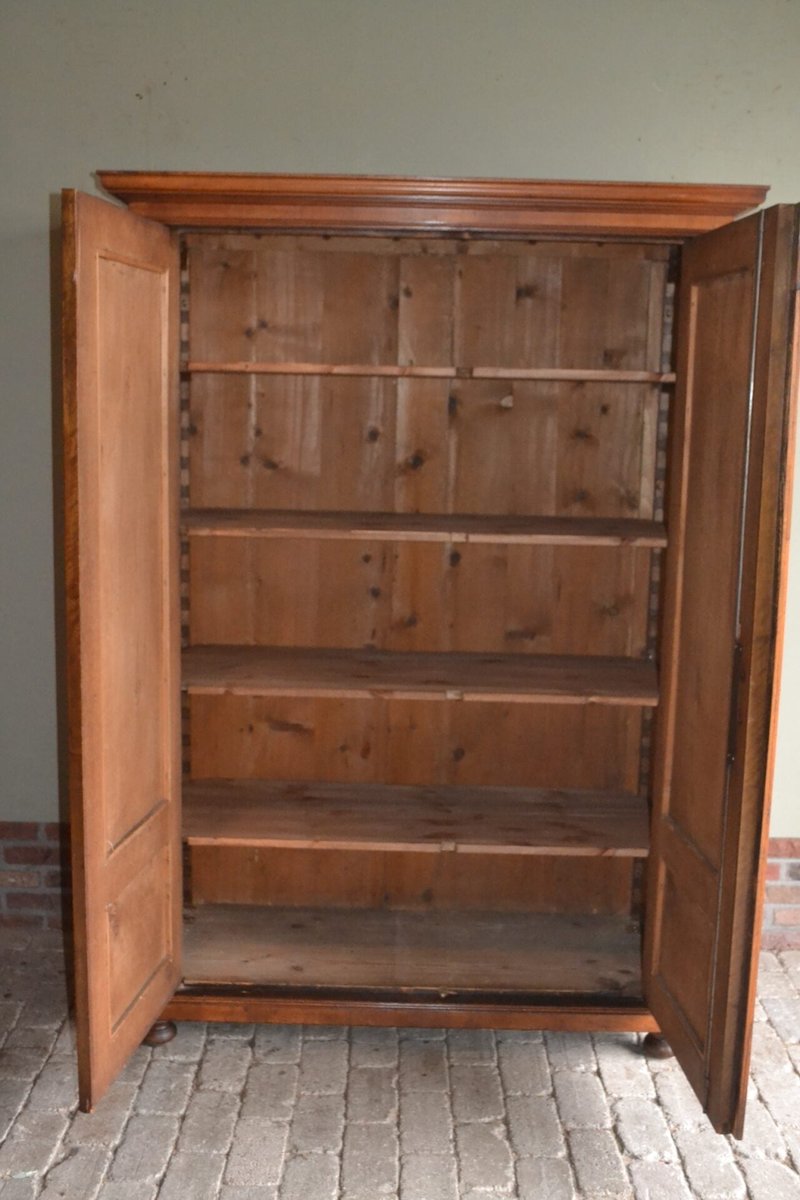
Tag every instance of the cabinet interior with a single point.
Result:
(422, 490)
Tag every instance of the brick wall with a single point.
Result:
(33, 872)
(782, 896)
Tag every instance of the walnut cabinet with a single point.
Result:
(425, 545)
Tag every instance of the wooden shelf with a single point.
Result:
(424, 527)
(445, 951)
(465, 820)
(362, 674)
(392, 371)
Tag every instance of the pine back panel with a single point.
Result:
(449, 444)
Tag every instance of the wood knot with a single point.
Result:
(526, 291)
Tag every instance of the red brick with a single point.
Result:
(55, 833)
(21, 921)
(35, 901)
(772, 871)
(780, 939)
(783, 848)
(53, 879)
(786, 916)
(33, 855)
(18, 831)
(54, 921)
(783, 893)
(26, 879)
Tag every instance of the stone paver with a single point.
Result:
(485, 1158)
(374, 1047)
(270, 1091)
(309, 1175)
(710, 1167)
(317, 1124)
(257, 1152)
(145, 1150)
(165, 1088)
(209, 1122)
(371, 1094)
(192, 1175)
(78, 1175)
(624, 1072)
(771, 1181)
(535, 1127)
(582, 1102)
(428, 1177)
(643, 1131)
(659, 1181)
(545, 1179)
(598, 1164)
(426, 1124)
(323, 1066)
(126, 1191)
(524, 1069)
(370, 1162)
(477, 1092)
(225, 1065)
(105, 1125)
(237, 1112)
(423, 1066)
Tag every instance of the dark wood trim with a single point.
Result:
(380, 204)
(253, 1005)
(69, 342)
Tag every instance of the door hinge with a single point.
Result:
(733, 721)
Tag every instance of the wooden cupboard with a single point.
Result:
(424, 597)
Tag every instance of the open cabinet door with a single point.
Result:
(722, 624)
(123, 651)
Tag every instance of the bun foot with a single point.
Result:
(656, 1046)
(160, 1033)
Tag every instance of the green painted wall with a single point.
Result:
(605, 89)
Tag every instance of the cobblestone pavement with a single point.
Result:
(279, 1113)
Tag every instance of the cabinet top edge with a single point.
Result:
(408, 204)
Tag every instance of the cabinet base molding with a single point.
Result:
(259, 1006)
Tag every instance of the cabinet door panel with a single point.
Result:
(121, 427)
(721, 624)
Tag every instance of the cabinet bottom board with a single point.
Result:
(438, 956)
